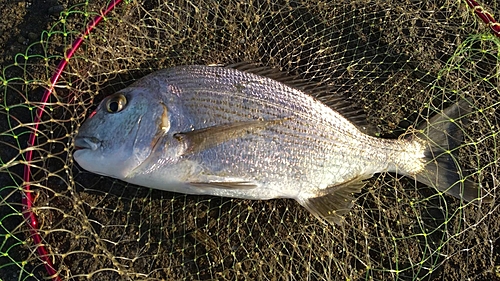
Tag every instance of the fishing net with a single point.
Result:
(400, 61)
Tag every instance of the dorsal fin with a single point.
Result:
(351, 112)
(317, 90)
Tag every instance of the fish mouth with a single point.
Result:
(81, 143)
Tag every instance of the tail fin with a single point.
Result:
(443, 135)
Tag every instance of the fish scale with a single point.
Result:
(226, 132)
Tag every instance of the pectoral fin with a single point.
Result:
(335, 202)
(201, 139)
(224, 185)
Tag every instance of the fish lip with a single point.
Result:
(81, 143)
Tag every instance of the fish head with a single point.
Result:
(121, 133)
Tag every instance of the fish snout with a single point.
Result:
(86, 143)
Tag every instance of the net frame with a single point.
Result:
(27, 198)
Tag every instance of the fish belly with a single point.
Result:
(281, 166)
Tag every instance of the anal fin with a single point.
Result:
(334, 202)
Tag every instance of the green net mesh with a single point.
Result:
(401, 61)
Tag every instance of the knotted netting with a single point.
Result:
(400, 61)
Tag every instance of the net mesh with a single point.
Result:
(401, 61)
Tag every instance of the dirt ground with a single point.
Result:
(98, 228)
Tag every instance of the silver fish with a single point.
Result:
(227, 132)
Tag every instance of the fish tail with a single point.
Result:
(443, 135)
(438, 139)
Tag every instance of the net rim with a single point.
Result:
(485, 16)
(27, 198)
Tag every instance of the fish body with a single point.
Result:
(226, 132)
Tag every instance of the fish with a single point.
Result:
(254, 133)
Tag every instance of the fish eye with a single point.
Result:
(116, 103)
